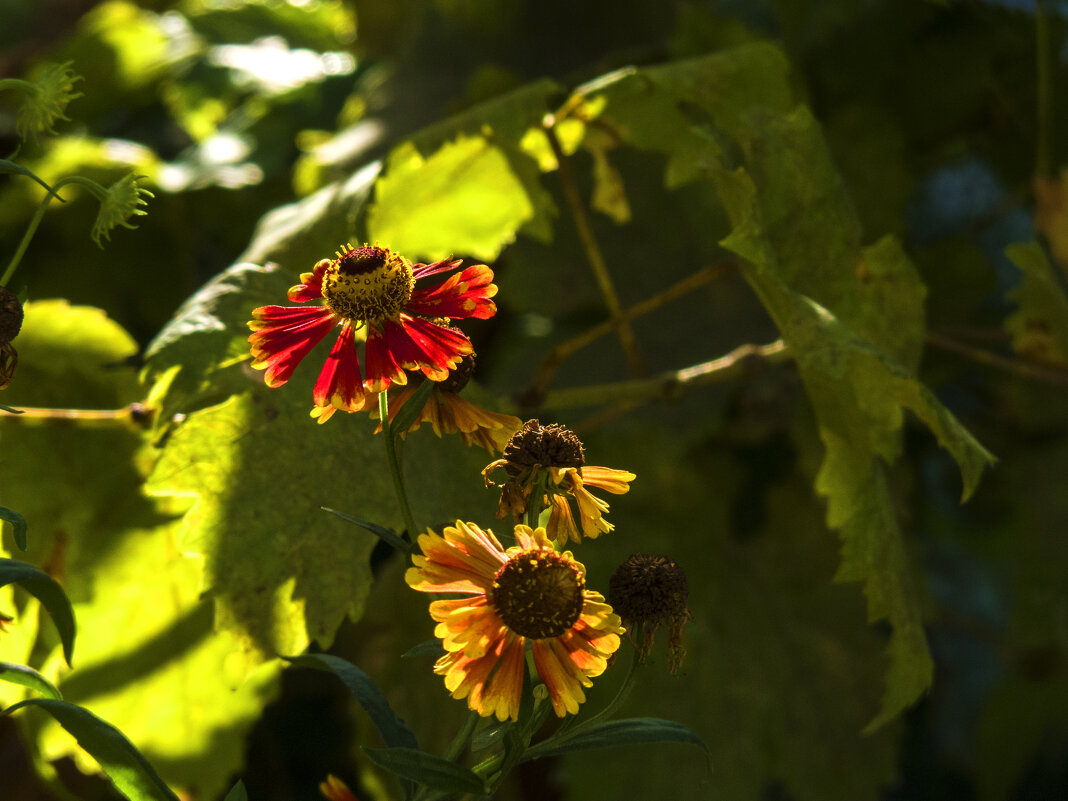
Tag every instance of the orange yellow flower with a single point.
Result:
(448, 413)
(374, 288)
(529, 592)
(547, 465)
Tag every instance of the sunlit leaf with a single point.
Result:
(47, 590)
(123, 763)
(28, 677)
(464, 198)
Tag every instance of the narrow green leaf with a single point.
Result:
(430, 647)
(490, 735)
(237, 792)
(18, 523)
(410, 411)
(394, 730)
(17, 169)
(28, 677)
(131, 773)
(10, 409)
(629, 731)
(43, 587)
(383, 533)
(426, 769)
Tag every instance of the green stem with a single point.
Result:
(31, 229)
(459, 742)
(394, 466)
(534, 506)
(1044, 92)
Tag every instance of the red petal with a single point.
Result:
(443, 266)
(382, 366)
(466, 294)
(311, 284)
(283, 335)
(340, 382)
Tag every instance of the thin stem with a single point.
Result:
(561, 352)
(459, 742)
(1044, 92)
(533, 514)
(31, 229)
(1038, 372)
(672, 383)
(394, 466)
(593, 250)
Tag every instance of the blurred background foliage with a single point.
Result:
(274, 131)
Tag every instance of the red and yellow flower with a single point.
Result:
(529, 592)
(371, 290)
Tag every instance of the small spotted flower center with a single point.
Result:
(648, 588)
(548, 446)
(10, 315)
(538, 594)
(367, 283)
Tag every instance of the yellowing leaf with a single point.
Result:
(1039, 326)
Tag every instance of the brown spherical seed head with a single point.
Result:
(10, 315)
(648, 588)
(548, 446)
(459, 376)
(538, 594)
(367, 283)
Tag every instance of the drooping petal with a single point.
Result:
(615, 481)
(425, 270)
(311, 284)
(561, 525)
(465, 294)
(283, 335)
(591, 510)
(340, 385)
(502, 693)
(421, 344)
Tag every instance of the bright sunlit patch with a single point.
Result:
(271, 67)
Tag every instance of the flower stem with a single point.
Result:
(394, 466)
(593, 250)
(31, 229)
(459, 742)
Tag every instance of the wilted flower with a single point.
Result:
(46, 99)
(10, 325)
(649, 590)
(370, 287)
(118, 203)
(448, 413)
(529, 592)
(546, 465)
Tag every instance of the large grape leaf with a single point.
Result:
(465, 198)
(852, 316)
(147, 661)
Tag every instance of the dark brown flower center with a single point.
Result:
(367, 283)
(460, 375)
(538, 594)
(548, 446)
(647, 588)
(10, 315)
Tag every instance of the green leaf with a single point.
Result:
(10, 409)
(385, 534)
(410, 411)
(47, 590)
(18, 525)
(394, 731)
(1039, 326)
(426, 648)
(426, 769)
(237, 792)
(629, 731)
(465, 198)
(131, 773)
(28, 677)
